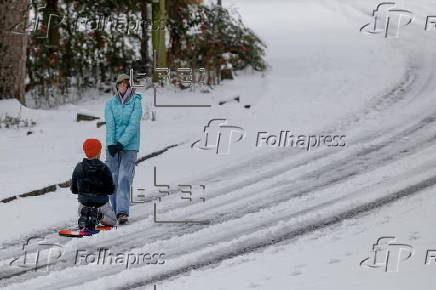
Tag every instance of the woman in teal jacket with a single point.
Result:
(123, 113)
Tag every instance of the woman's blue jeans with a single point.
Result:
(122, 166)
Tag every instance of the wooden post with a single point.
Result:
(159, 18)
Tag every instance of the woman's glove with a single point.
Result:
(114, 149)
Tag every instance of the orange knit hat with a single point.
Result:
(91, 147)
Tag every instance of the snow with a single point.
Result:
(330, 259)
(325, 78)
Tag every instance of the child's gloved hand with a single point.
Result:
(114, 149)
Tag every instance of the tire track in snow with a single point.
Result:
(395, 94)
(313, 180)
(292, 233)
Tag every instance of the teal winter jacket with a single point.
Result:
(123, 121)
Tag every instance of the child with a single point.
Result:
(92, 181)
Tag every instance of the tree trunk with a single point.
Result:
(145, 55)
(13, 44)
(159, 16)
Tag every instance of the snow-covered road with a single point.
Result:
(327, 79)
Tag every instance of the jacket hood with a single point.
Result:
(133, 95)
(92, 165)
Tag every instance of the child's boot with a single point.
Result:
(88, 218)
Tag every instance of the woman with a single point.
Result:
(123, 114)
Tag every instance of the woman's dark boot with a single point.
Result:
(122, 219)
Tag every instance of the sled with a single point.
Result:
(78, 233)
